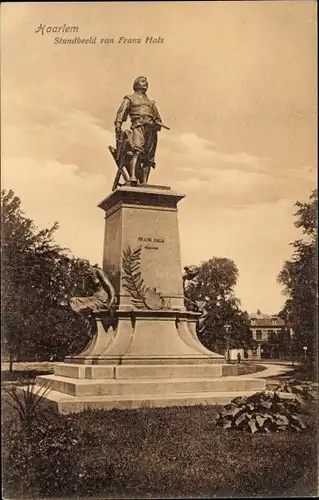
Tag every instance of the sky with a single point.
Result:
(236, 82)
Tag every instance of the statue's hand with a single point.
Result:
(118, 129)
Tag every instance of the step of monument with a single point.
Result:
(132, 387)
(138, 372)
(73, 404)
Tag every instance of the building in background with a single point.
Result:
(245, 354)
(271, 333)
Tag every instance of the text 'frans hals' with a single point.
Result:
(120, 40)
(151, 240)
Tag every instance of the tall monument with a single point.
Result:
(149, 353)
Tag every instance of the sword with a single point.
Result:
(161, 125)
(120, 170)
(164, 126)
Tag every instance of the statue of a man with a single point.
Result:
(142, 138)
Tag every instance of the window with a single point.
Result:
(271, 335)
(258, 335)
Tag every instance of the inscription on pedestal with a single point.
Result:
(148, 219)
(150, 240)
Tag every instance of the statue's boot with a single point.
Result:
(145, 174)
(133, 170)
(125, 175)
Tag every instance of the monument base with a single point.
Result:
(151, 355)
(152, 358)
(66, 403)
(147, 337)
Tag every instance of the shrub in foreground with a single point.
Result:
(305, 391)
(51, 458)
(264, 412)
(29, 404)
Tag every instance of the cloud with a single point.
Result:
(230, 179)
(51, 191)
(190, 141)
(197, 150)
(69, 137)
(229, 182)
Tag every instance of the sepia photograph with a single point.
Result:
(159, 212)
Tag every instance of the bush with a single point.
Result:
(28, 403)
(52, 458)
(305, 392)
(264, 412)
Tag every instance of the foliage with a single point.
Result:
(132, 278)
(215, 284)
(265, 413)
(305, 391)
(37, 275)
(28, 403)
(155, 452)
(306, 371)
(299, 278)
(42, 460)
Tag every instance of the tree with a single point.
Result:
(299, 277)
(36, 275)
(215, 283)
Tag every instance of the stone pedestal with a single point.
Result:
(152, 325)
(147, 218)
(151, 355)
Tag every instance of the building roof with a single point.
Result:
(260, 315)
(261, 319)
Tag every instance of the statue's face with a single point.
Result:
(84, 263)
(191, 272)
(143, 83)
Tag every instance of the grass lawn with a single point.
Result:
(245, 368)
(172, 452)
(24, 371)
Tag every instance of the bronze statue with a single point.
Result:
(98, 306)
(204, 314)
(135, 148)
(102, 299)
(190, 273)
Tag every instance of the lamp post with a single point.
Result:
(227, 328)
(292, 333)
(305, 351)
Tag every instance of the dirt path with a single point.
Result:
(272, 370)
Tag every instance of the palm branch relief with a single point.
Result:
(133, 281)
(142, 296)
